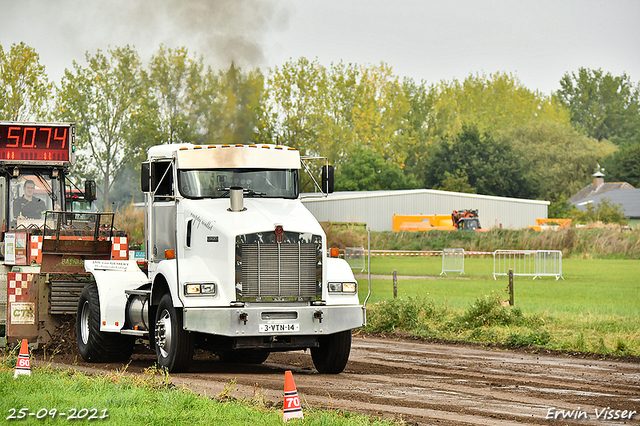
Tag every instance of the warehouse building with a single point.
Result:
(376, 208)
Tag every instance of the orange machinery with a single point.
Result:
(422, 222)
(551, 224)
(465, 220)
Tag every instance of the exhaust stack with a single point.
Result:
(236, 199)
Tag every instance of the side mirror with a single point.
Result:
(90, 190)
(144, 177)
(327, 179)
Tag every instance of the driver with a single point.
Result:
(28, 206)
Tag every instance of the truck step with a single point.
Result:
(138, 292)
(137, 333)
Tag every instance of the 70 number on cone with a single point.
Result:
(292, 402)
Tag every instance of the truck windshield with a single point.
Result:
(81, 206)
(267, 183)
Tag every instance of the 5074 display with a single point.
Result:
(35, 142)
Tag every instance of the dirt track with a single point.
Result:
(431, 383)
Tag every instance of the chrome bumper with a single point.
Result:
(275, 320)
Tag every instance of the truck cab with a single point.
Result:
(236, 263)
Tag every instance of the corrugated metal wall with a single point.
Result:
(376, 208)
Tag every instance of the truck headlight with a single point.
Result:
(192, 289)
(208, 289)
(342, 287)
(349, 287)
(335, 287)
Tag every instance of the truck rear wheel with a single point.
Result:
(174, 345)
(332, 354)
(93, 344)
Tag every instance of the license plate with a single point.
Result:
(279, 328)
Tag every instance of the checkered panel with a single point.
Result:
(35, 245)
(17, 282)
(120, 248)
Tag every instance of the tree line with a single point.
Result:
(488, 134)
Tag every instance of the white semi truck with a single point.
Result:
(235, 265)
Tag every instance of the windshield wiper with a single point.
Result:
(253, 192)
(245, 192)
(47, 188)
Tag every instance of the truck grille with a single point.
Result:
(267, 270)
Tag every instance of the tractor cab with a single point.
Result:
(466, 220)
(468, 224)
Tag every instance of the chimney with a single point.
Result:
(598, 178)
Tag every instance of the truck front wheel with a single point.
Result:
(93, 344)
(332, 354)
(174, 345)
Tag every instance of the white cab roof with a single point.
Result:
(189, 156)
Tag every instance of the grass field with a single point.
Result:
(596, 308)
(54, 397)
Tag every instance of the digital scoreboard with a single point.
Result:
(36, 143)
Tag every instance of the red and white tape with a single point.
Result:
(422, 253)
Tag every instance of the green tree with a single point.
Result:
(559, 208)
(340, 111)
(103, 99)
(380, 114)
(369, 171)
(492, 103)
(624, 165)
(309, 107)
(605, 212)
(330, 111)
(232, 107)
(176, 81)
(557, 159)
(479, 162)
(604, 106)
(24, 87)
(418, 142)
(455, 182)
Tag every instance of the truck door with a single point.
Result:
(163, 209)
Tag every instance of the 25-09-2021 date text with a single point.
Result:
(69, 414)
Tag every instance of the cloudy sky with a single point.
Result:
(537, 40)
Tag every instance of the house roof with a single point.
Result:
(628, 198)
(589, 191)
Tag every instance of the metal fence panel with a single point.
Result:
(355, 257)
(532, 263)
(452, 260)
(550, 263)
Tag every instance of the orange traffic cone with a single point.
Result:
(291, 408)
(24, 364)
